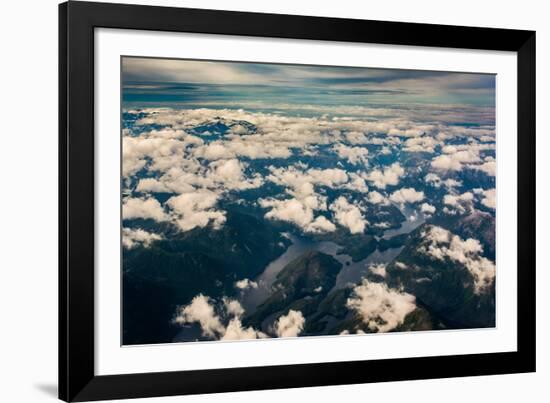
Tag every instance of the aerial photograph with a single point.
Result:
(263, 200)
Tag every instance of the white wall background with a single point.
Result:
(28, 198)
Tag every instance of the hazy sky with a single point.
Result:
(351, 85)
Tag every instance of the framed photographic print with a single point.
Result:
(258, 201)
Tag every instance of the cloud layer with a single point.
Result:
(150, 76)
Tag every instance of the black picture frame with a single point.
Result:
(77, 379)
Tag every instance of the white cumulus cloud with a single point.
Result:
(489, 198)
(202, 311)
(489, 167)
(299, 212)
(454, 159)
(354, 155)
(379, 306)
(389, 176)
(427, 208)
(236, 331)
(459, 202)
(406, 195)
(143, 208)
(290, 325)
(137, 237)
(423, 144)
(377, 198)
(196, 209)
(348, 215)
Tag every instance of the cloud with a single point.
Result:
(380, 307)
(290, 325)
(420, 144)
(354, 155)
(490, 198)
(348, 215)
(299, 212)
(355, 137)
(301, 184)
(356, 183)
(219, 176)
(233, 307)
(153, 185)
(196, 209)
(169, 154)
(137, 151)
(381, 86)
(185, 71)
(235, 331)
(455, 157)
(442, 244)
(445, 162)
(427, 208)
(239, 129)
(489, 167)
(248, 147)
(227, 170)
(178, 155)
(245, 284)
(143, 208)
(229, 174)
(137, 237)
(460, 203)
(405, 132)
(377, 198)
(215, 151)
(296, 178)
(389, 176)
(200, 310)
(202, 173)
(406, 195)
(320, 224)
